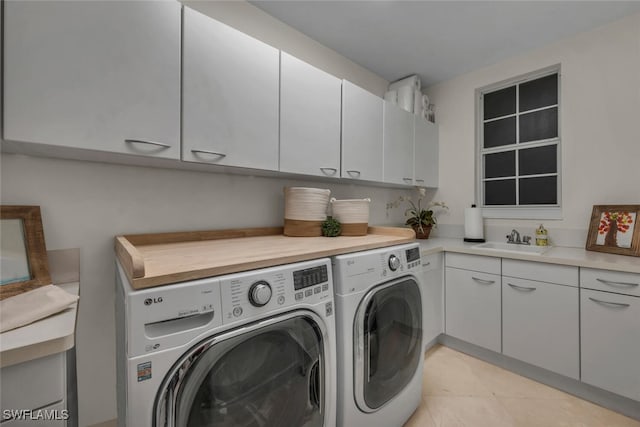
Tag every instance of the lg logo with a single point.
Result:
(150, 301)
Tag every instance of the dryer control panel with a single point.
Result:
(357, 271)
(255, 293)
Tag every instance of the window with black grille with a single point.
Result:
(519, 142)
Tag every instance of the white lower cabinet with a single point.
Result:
(33, 385)
(472, 307)
(540, 325)
(432, 297)
(610, 342)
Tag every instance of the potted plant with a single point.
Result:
(422, 220)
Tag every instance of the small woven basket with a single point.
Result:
(304, 211)
(353, 215)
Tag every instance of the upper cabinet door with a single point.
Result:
(398, 145)
(99, 75)
(361, 133)
(309, 119)
(426, 153)
(230, 95)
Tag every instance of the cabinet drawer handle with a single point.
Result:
(215, 153)
(420, 180)
(141, 141)
(522, 288)
(427, 263)
(609, 282)
(354, 172)
(483, 281)
(332, 170)
(407, 179)
(615, 304)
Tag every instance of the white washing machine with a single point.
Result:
(379, 326)
(248, 349)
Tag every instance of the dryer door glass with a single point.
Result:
(392, 340)
(268, 376)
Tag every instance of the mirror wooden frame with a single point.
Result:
(35, 246)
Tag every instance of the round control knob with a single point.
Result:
(260, 293)
(394, 262)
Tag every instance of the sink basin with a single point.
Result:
(510, 247)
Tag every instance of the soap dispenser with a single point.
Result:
(542, 236)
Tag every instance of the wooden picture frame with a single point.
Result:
(27, 257)
(614, 229)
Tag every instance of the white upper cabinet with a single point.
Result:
(426, 153)
(361, 133)
(398, 145)
(98, 75)
(230, 95)
(310, 107)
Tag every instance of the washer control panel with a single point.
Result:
(399, 261)
(257, 292)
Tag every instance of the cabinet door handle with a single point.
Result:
(609, 282)
(215, 153)
(522, 288)
(332, 170)
(142, 141)
(420, 180)
(407, 179)
(483, 281)
(354, 172)
(427, 263)
(614, 304)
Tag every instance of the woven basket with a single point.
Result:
(304, 211)
(353, 215)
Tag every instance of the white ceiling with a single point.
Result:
(439, 40)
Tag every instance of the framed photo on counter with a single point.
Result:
(614, 229)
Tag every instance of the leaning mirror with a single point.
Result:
(23, 254)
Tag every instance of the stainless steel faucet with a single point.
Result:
(514, 237)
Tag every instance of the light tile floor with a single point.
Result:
(462, 391)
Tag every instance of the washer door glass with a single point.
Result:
(391, 340)
(268, 376)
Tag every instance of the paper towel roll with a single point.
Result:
(405, 98)
(413, 81)
(473, 227)
(391, 96)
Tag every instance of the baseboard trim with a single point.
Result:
(617, 403)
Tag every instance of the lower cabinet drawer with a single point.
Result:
(472, 307)
(610, 332)
(540, 325)
(34, 384)
(610, 281)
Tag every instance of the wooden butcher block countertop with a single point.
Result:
(159, 259)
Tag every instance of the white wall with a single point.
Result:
(257, 23)
(600, 108)
(84, 205)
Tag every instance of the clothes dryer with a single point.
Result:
(379, 334)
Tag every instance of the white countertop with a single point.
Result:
(51, 335)
(554, 255)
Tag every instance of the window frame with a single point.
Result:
(517, 211)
